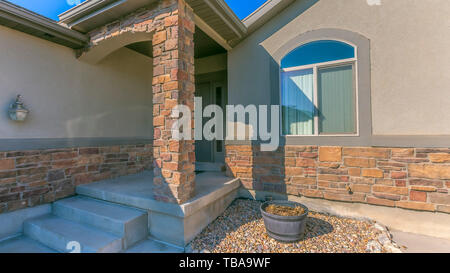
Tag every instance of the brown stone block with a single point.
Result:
(389, 189)
(415, 205)
(398, 175)
(366, 152)
(9, 197)
(354, 171)
(168, 86)
(375, 173)
(433, 150)
(172, 166)
(55, 175)
(32, 159)
(330, 165)
(89, 151)
(410, 160)
(333, 171)
(440, 198)
(402, 152)
(362, 180)
(303, 180)
(442, 208)
(32, 171)
(423, 188)
(305, 162)
(159, 37)
(308, 155)
(418, 196)
(440, 158)
(311, 193)
(64, 164)
(359, 162)
(380, 202)
(361, 188)
(429, 171)
(17, 205)
(35, 192)
(330, 154)
(424, 182)
(7, 174)
(171, 21)
(400, 183)
(7, 164)
(335, 178)
(387, 196)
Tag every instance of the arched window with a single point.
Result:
(318, 89)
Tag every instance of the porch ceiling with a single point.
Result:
(203, 44)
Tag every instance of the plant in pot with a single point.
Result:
(285, 221)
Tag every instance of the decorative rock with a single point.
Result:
(240, 229)
(374, 247)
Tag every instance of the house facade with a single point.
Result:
(362, 90)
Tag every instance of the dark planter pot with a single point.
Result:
(284, 228)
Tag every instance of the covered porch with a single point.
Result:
(189, 60)
(186, 188)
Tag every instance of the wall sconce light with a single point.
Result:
(17, 111)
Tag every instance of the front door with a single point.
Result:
(204, 148)
(212, 92)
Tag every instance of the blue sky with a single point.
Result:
(51, 8)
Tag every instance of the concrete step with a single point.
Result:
(22, 244)
(56, 233)
(153, 246)
(128, 223)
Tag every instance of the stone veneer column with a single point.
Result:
(173, 84)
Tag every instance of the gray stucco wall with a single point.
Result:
(71, 99)
(408, 51)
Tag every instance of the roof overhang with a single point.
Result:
(23, 20)
(214, 17)
(264, 13)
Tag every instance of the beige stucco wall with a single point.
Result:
(410, 50)
(68, 98)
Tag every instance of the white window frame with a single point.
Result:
(316, 67)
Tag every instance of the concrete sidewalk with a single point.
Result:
(416, 243)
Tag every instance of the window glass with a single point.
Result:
(319, 99)
(336, 100)
(318, 52)
(298, 102)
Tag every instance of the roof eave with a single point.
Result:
(265, 13)
(29, 22)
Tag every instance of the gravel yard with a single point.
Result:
(240, 229)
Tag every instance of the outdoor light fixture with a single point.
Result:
(17, 111)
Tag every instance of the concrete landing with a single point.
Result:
(137, 191)
(23, 244)
(417, 243)
(172, 223)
